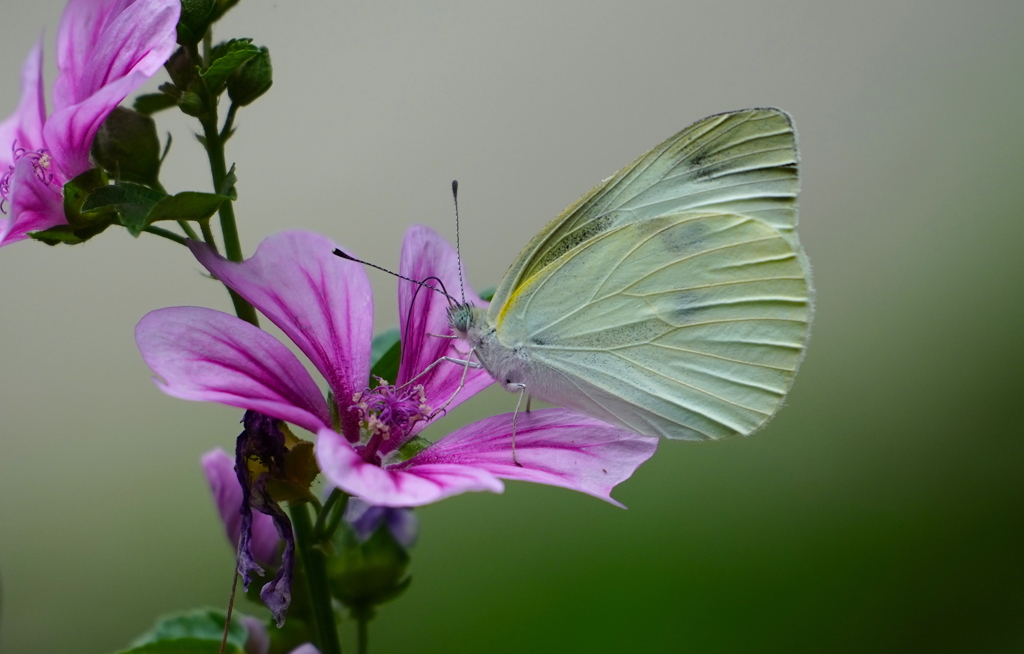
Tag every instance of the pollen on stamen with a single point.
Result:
(391, 411)
(41, 160)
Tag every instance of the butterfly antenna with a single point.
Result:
(344, 255)
(458, 248)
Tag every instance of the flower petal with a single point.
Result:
(219, 468)
(322, 302)
(24, 128)
(258, 641)
(210, 356)
(105, 51)
(556, 446)
(80, 29)
(427, 256)
(36, 204)
(396, 488)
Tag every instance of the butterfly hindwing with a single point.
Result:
(689, 325)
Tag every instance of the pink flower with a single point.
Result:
(323, 303)
(105, 50)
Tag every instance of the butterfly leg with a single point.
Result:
(461, 362)
(515, 419)
(467, 364)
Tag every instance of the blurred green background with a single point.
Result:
(881, 511)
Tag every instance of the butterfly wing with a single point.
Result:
(674, 298)
(738, 162)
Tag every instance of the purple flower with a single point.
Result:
(365, 519)
(259, 639)
(323, 303)
(105, 50)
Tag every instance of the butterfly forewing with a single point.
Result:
(741, 162)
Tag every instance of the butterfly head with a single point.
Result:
(462, 318)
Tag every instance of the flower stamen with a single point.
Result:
(389, 412)
(40, 159)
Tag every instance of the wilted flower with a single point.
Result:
(219, 468)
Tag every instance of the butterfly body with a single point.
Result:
(673, 299)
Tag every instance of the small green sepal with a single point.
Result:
(68, 235)
(81, 226)
(151, 103)
(77, 191)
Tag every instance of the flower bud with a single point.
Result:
(223, 6)
(252, 79)
(370, 564)
(180, 68)
(196, 16)
(126, 145)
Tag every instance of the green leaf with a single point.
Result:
(233, 54)
(488, 294)
(188, 205)
(151, 103)
(197, 625)
(183, 646)
(385, 355)
(137, 206)
(132, 202)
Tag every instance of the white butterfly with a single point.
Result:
(673, 299)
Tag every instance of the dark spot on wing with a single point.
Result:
(577, 236)
(686, 236)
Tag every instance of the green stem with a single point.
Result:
(204, 225)
(225, 132)
(171, 236)
(228, 227)
(185, 227)
(314, 565)
(363, 634)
